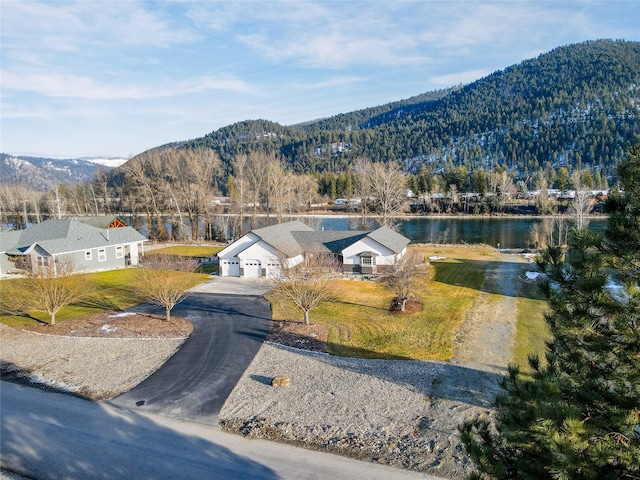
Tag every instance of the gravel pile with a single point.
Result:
(395, 412)
(93, 368)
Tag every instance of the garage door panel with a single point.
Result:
(252, 269)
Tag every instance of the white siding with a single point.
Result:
(259, 251)
(238, 246)
(351, 254)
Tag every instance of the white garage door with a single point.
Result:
(273, 269)
(252, 269)
(230, 267)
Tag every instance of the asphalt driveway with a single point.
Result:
(196, 381)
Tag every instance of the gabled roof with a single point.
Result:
(62, 236)
(327, 241)
(281, 236)
(102, 221)
(389, 238)
(294, 238)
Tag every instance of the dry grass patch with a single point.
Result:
(360, 323)
(532, 330)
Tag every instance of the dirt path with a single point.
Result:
(486, 339)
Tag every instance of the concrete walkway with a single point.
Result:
(234, 286)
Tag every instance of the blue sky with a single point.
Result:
(115, 78)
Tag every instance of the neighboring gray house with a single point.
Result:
(259, 252)
(88, 248)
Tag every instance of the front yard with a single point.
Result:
(360, 324)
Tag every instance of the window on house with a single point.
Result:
(102, 255)
(366, 261)
(43, 261)
(119, 252)
(87, 255)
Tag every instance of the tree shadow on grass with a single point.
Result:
(490, 276)
(99, 303)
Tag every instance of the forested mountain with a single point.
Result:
(577, 106)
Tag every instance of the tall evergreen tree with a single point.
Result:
(578, 416)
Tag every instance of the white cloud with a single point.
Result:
(339, 81)
(458, 78)
(76, 86)
(84, 25)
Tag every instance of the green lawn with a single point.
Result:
(531, 328)
(197, 251)
(112, 291)
(360, 324)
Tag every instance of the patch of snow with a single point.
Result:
(436, 257)
(110, 162)
(532, 275)
(108, 328)
(122, 314)
(617, 291)
(529, 256)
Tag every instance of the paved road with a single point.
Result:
(51, 436)
(195, 382)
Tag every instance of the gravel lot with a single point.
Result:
(91, 367)
(396, 412)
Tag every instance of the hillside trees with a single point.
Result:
(578, 417)
(529, 114)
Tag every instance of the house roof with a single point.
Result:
(281, 236)
(62, 236)
(327, 241)
(389, 238)
(102, 221)
(294, 238)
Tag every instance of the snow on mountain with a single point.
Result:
(111, 162)
(44, 173)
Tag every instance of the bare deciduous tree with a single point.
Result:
(48, 287)
(388, 187)
(164, 280)
(581, 206)
(309, 284)
(361, 168)
(401, 277)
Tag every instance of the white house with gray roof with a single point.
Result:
(259, 252)
(86, 247)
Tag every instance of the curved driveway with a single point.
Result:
(195, 382)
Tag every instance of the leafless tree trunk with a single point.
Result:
(238, 186)
(361, 168)
(309, 284)
(581, 206)
(388, 186)
(402, 276)
(165, 280)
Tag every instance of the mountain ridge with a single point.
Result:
(577, 106)
(44, 173)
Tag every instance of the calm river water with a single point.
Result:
(512, 232)
(507, 232)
